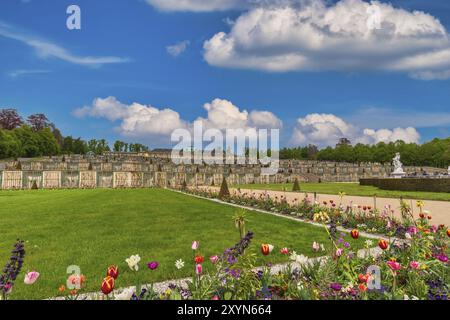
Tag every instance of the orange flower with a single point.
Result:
(62, 288)
(266, 249)
(448, 232)
(354, 234)
(108, 284)
(363, 278)
(76, 279)
(74, 292)
(362, 287)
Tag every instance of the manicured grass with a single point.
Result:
(351, 189)
(96, 228)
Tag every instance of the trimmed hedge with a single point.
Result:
(409, 184)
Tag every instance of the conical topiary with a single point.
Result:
(34, 186)
(224, 192)
(90, 167)
(184, 185)
(296, 187)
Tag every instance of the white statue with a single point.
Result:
(398, 167)
(449, 170)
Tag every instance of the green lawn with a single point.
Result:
(96, 228)
(351, 189)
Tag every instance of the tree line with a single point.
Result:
(36, 136)
(435, 153)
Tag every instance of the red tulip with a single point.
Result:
(266, 249)
(448, 232)
(383, 244)
(199, 259)
(421, 215)
(363, 278)
(108, 285)
(113, 271)
(354, 234)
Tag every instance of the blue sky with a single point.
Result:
(122, 52)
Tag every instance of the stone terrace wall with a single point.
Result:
(141, 170)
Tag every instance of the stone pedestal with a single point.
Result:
(398, 175)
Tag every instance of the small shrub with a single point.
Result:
(34, 186)
(296, 187)
(224, 191)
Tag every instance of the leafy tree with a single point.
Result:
(39, 121)
(9, 145)
(29, 141)
(47, 143)
(59, 137)
(10, 119)
(119, 146)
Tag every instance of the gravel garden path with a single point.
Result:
(440, 210)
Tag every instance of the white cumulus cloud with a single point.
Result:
(136, 119)
(350, 35)
(327, 129)
(145, 120)
(223, 114)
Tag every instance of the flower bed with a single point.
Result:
(361, 217)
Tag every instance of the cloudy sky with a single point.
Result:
(318, 70)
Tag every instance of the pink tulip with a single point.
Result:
(214, 259)
(414, 265)
(394, 265)
(31, 277)
(195, 245)
(339, 252)
(8, 288)
(198, 269)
